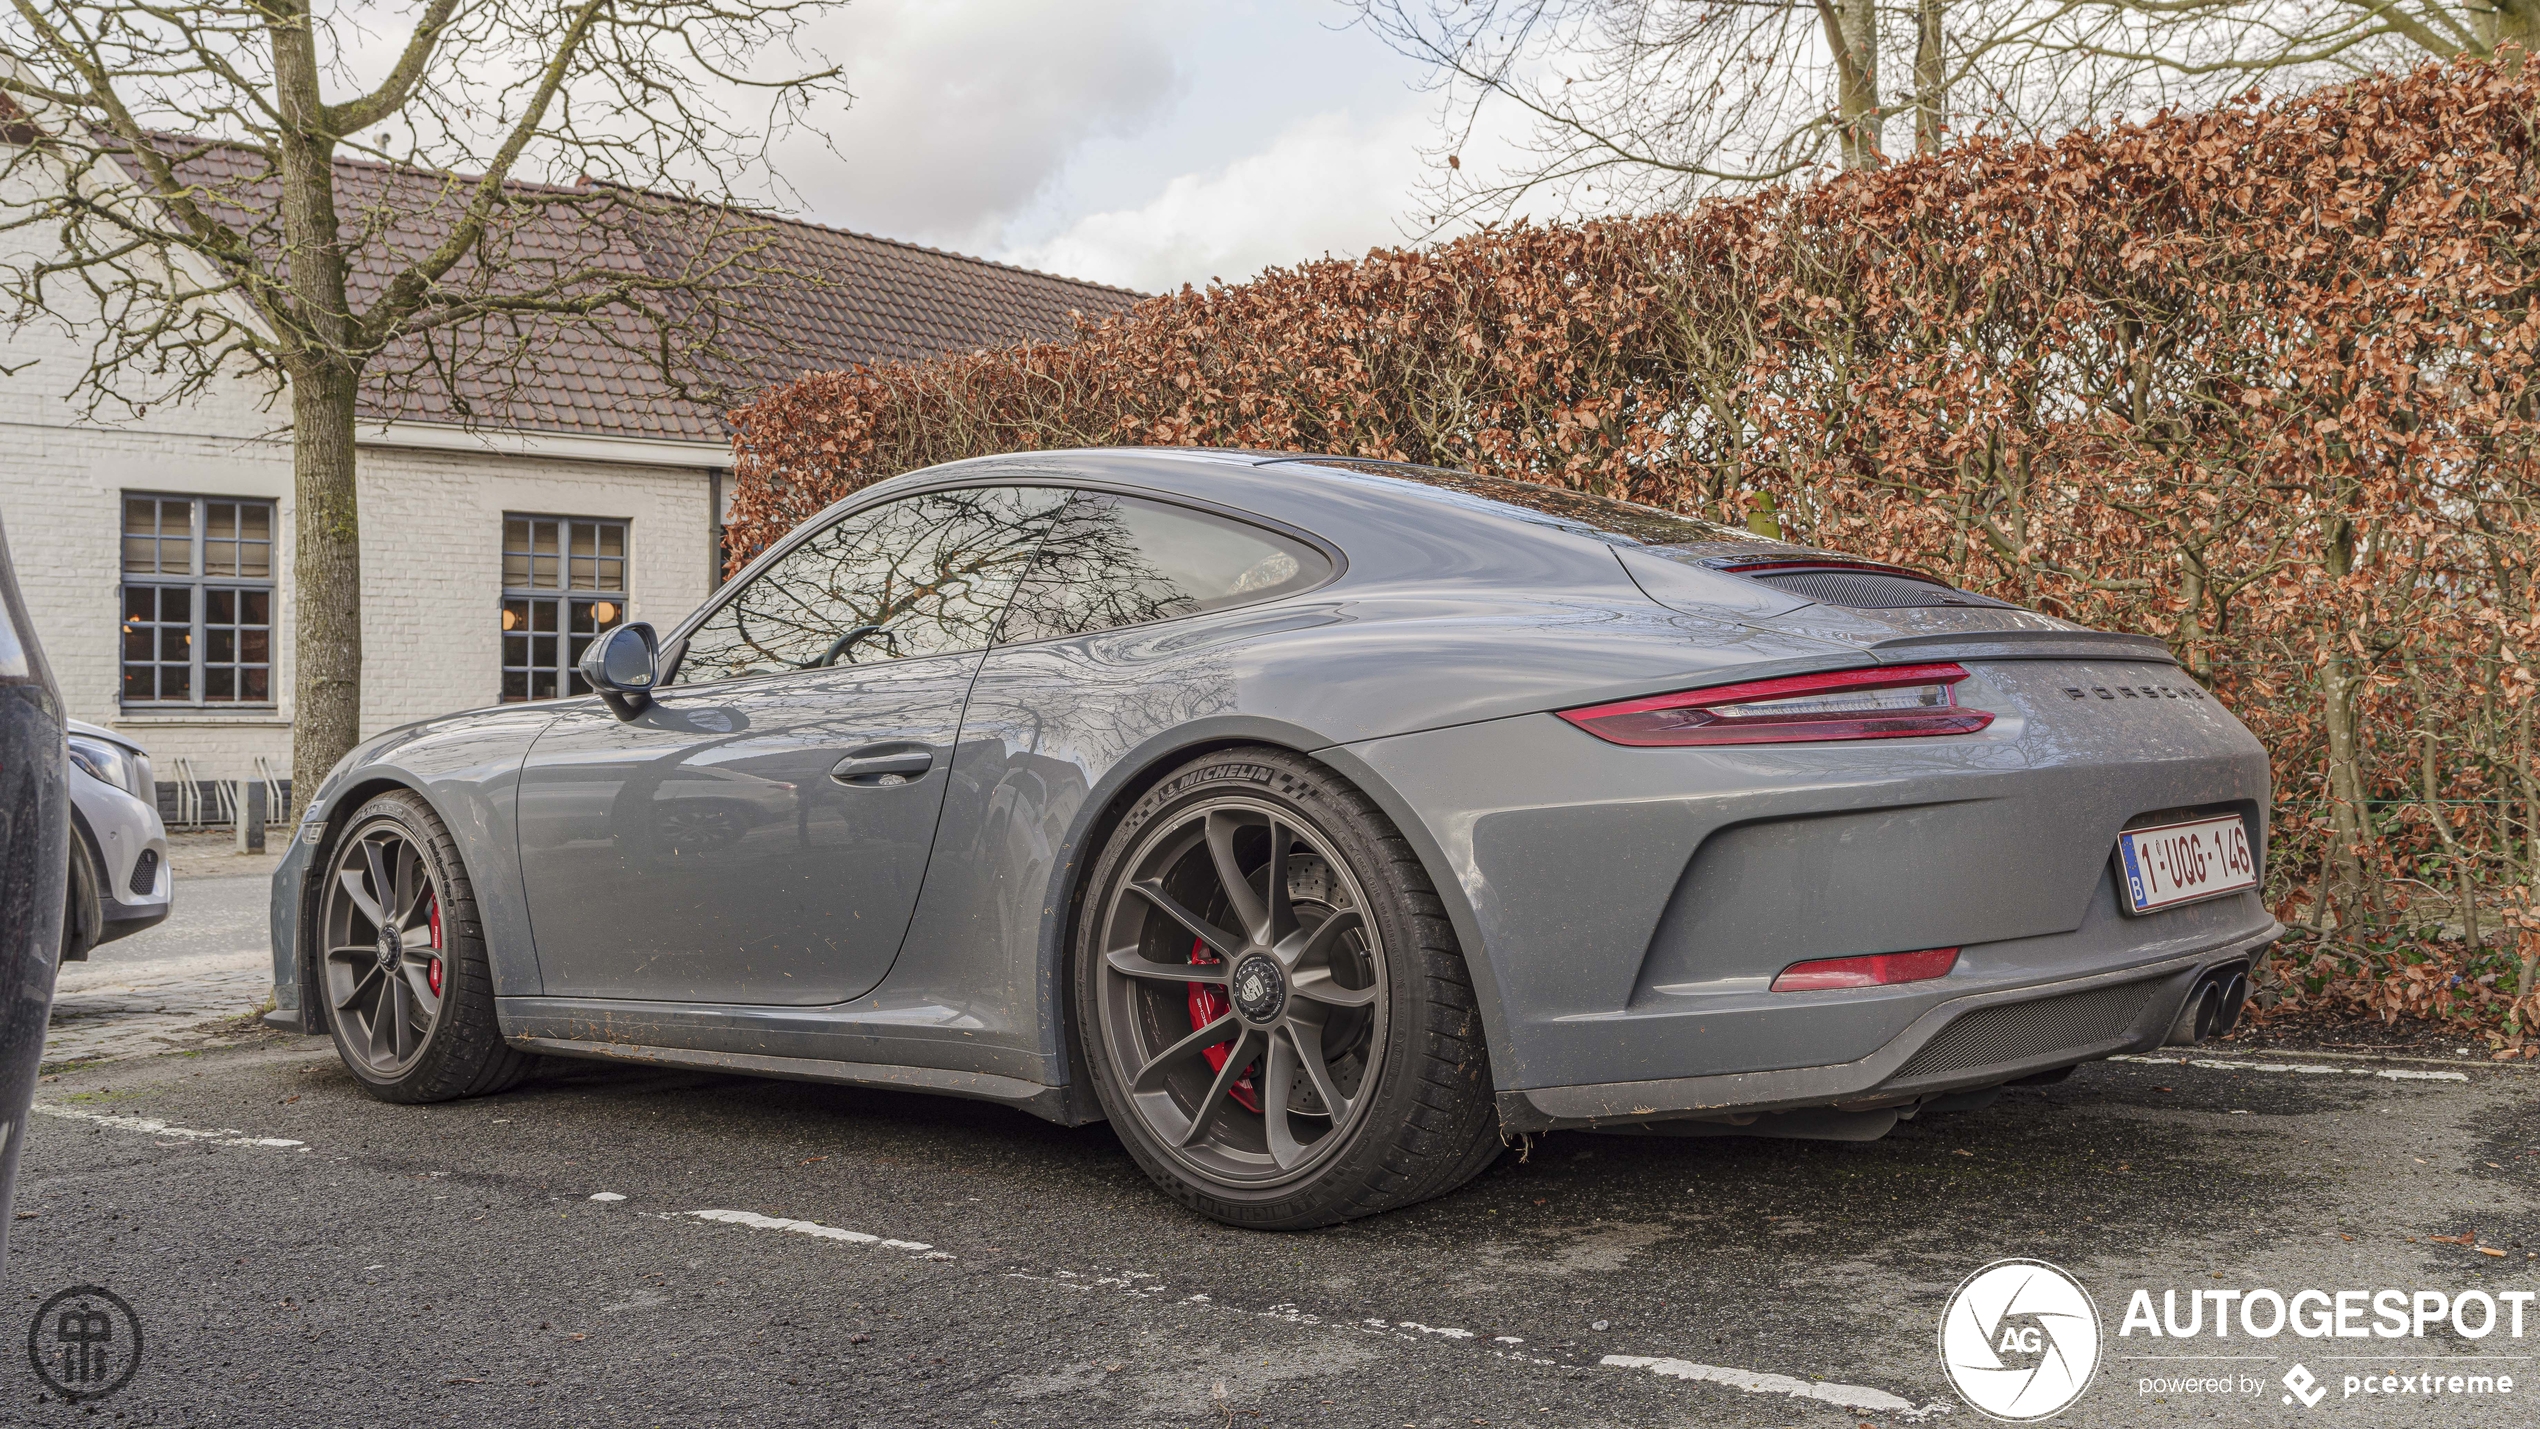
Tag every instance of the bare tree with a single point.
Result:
(1652, 102)
(185, 176)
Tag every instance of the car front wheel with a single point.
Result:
(1279, 1023)
(410, 993)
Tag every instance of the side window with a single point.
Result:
(1116, 560)
(923, 575)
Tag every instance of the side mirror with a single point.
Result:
(623, 665)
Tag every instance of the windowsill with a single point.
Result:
(250, 719)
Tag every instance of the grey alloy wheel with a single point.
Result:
(1242, 992)
(384, 957)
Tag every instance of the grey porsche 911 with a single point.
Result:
(1322, 824)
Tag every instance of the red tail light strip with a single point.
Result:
(1875, 970)
(1712, 716)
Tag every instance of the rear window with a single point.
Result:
(1621, 523)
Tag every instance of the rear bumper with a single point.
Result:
(1625, 911)
(1982, 1039)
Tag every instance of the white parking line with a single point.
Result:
(1849, 1396)
(2305, 1069)
(152, 1126)
(1144, 1286)
(756, 1221)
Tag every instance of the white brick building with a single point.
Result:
(155, 549)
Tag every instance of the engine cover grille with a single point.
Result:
(2018, 1031)
(1872, 590)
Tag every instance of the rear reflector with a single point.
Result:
(1886, 702)
(1875, 970)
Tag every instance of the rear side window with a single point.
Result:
(1111, 561)
(923, 575)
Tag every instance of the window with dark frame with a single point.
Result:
(197, 601)
(564, 582)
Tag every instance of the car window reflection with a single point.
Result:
(1112, 561)
(924, 575)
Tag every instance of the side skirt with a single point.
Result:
(1057, 1104)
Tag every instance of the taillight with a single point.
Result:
(1889, 702)
(1874, 970)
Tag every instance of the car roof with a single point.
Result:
(1413, 491)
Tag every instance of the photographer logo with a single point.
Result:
(85, 1343)
(2020, 1340)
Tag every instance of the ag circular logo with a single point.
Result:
(2020, 1340)
(85, 1343)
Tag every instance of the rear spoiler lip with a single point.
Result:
(2023, 645)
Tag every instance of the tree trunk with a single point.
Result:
(326, 684)
(2340, 689)
(1931, 78)
(326, 577)
(1857, 73)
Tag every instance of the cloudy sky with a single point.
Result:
(1141, 142)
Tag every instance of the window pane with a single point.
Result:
(255, 685)
(140, 682)
(176, 604)
(515, 686)
(255, 522)
(544, 567)
(612, 540)
(1112, 561)
(139, 603)
(612, 575)
(140, 553)
(255, 556)
(220, 520)
(172, 642)
(923, 575)
(176, 682)
(237, 645)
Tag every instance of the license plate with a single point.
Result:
(2182, 863)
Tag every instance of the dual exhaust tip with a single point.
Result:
(2213, 1006)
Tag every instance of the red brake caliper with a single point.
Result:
(1207, 1005)
(432, 974)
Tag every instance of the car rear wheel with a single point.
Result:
(1277, 1018)
(410, 994)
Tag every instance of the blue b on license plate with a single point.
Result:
(2181, 863)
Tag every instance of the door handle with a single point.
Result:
(887, 769)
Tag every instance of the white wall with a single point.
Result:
(432, 563)
(432, 532)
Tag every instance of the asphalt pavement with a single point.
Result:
(624, 1246)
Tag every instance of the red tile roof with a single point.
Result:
(799, 297)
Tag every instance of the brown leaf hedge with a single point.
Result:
(2259, 381)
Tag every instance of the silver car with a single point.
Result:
(120, 882)
(1323, 824)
